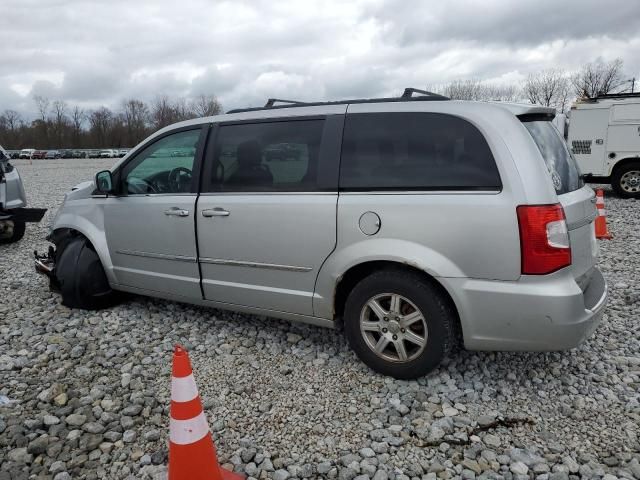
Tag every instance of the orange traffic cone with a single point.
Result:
(192, 455)
(601, 220)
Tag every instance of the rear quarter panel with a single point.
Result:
(446, 234)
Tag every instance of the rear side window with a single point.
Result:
(561, 165)
(268, 156)
(415, 151)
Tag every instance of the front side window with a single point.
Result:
(415, 151)
(273, 156)
(165, 166)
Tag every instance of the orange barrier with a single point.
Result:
(602, 232)
(192, 455)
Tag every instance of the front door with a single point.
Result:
(267, 214)
(150, 225)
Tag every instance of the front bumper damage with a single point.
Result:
(45, 264)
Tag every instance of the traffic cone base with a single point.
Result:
(192, 454)
(602, 231)
(201, 465)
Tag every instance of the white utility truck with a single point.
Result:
(604, 137)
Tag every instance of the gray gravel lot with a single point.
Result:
(89, 391)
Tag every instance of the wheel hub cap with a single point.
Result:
(393, 327)
(630, 181)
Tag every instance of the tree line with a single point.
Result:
(553, 87)
(60, 125)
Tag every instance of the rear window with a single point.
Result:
(560, 163)
(415, 151)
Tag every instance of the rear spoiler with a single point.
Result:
(536, 117)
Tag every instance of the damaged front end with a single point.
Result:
(45, 263)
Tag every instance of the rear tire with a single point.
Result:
(16, 235)
(80, 276)
(626, 180)
(413, 330)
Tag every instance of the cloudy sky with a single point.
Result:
(94, 52)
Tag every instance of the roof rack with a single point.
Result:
(272, 101)
(407, 96)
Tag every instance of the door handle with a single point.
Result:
(215, 212)
(178, 212)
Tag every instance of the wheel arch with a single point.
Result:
(94, 236)
(622, 163)
(356, 273)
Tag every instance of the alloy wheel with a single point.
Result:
(393, 327)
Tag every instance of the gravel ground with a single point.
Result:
(86, 394)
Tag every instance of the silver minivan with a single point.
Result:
(417, 222)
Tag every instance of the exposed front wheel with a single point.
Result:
(626, 180)
(399, 324)
(80, 276)
(11, 231)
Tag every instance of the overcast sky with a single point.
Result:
(94, 52)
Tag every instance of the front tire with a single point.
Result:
(15, 232)
(399, 323)
(626, 180)
(80, 276)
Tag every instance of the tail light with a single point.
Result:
(544, 239)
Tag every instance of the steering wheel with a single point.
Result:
(177, 181)
(140, 186)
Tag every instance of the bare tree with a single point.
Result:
(161, 112)
(100, 121)
(182, 110)
(598, 78)
(42, 104)
(549, 87)
(10, 123)
(135, 117)
(206, 106)
(11, 119)
(59, 110)
(474, 89)
(77, 119)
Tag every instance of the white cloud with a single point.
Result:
(103, 51)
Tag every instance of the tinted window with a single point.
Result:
(165, 166)
(561, 165)
(415, 151)
(267, 156)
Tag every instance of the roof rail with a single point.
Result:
(407, 96)
(408, 93)
(272, 101)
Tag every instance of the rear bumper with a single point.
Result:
(542, 313)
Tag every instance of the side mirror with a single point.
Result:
(104, 182)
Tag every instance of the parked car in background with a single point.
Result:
(414, 221)
(39, 154)
(27, 152)
(108, 153)
(53, 154)
(66, 153)
(123, 151)
(13, 202)
(79, 154)
(604, 137)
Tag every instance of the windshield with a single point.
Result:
(560, 163)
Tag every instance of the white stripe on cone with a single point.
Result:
(184, 432)
(600, 201)
(183, 389)
(601, 212)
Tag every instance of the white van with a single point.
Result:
(26, 152)
(604, 136)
